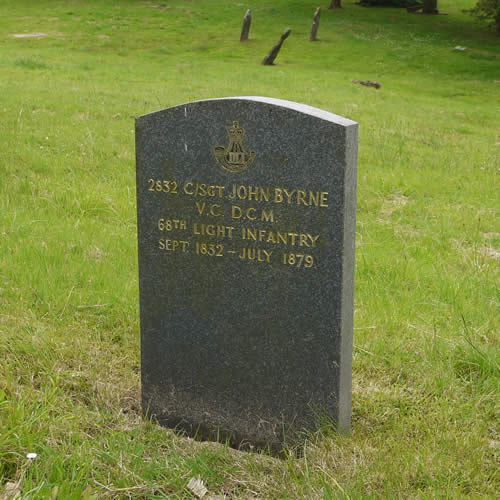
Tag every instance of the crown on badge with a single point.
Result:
(235, 132)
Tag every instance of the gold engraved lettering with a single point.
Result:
(276, 195)
(216, 230)
(213, 210)
(249, 234)
(162, 186)
(298, 260)
(292, 237)
(313, 240)
(282, 238)
(171, 224)
(289, 195)
(265, 194)
(324, 199)
(173, 245)
(236, 212)
(301, 197)
(270, 237)
(209, 249)
(215, 191)
(170, 186)
(201, 207)
(222, 230)
(251, 214)
(242, 193)
(255, 254)
(251, 193)
(232, 195)
(267, 216)
(313, 198)
(279, 237)
(203, 190)
(216, 211)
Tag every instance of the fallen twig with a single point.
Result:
(368, 83)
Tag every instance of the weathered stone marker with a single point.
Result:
(246, 222)
(245, 29)
(273, 53)
(315, 25)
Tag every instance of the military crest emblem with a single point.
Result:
(234, 158)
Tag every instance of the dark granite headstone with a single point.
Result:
(315, 25)
(245, 29)
(246, 221)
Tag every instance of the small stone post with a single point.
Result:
(315, 25)
(269, 59)
(247, 20)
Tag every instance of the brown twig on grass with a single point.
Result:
(368, 83)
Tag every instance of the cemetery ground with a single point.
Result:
(425, 360)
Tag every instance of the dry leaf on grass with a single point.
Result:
(197, 487)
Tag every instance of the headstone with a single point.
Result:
(247, 20)
(246, 223)
(335, 4)
(315, 25)
(271, 56)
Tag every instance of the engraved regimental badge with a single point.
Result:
(234, 158)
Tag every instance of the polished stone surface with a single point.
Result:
(246, 222)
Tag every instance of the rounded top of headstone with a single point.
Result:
(290, 105)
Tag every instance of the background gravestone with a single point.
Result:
(246, 221)
(315, 25)
(273, 53)
(245, 29)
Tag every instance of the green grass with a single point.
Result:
(425, 371)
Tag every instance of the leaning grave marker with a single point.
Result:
(246, 223)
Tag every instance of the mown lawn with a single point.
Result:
(425, 371)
